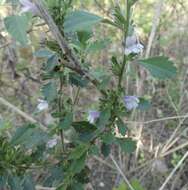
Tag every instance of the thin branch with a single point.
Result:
(156, 20)
(5, 45)
(122, 174)
(20, 112)
(157, 120)
(173, 171)
(183, 145)
(73, 63)
(38, 187)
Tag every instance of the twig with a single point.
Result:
(20, 112)
(104, 162)
(73, 63)
(5, 45)
(174, 149)
(156, 20)
(38, 187)
(157, 120)
(121, 172)
(173, 171)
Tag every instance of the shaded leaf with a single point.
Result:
(104, 118)
(28, 183)
(127, 144)
(78, 165)
(143, 104)
(122, 127)
(85, 130)
(14, 182)
(29, 136)
(50, 91)
(77, 152)
(67, 121)
(105, 149)
(77, 80)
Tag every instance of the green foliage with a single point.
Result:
(66, 122)
(127, 144)
(64, 165)
(160, 67)
(104, 118)
(50, 91)
(80, 21)
(17, 27)
(122, 128)
(134, 183)
(29, 136)
(144, 104)
(85, 131)
(44, 53)
(77, 80)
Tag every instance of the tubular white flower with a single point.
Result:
(51, 143)
(132, 45)
(43, 105)
(28, 6)
(131, 102)
(93, 115)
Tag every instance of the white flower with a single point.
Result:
(93, 116)
(131, 102)
(51, 143)
(132, 45)
(28, 6)
(43, 105)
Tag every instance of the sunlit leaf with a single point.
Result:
(17, 27)
(160, 67)
(80, 21)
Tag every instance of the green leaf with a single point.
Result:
(143, 104)
(122, 186)
(29, 136)
(50, 91)
(77, 152)
(17, 27)
(98, 46)
(80, 21)
(159, 67)
(116, 66)
(132, 2)
(77, 186)
(108, 138)
(85, 130)
(127, 144)
(14, 182)
(55, 173)
(28, 183)
(121, 127)
(67, 121)
(77, 80)
(3, 180)
(52, 62)
(104, 118)
(136, 184)
(44, 53)
(105, 149)
(78, 165)
(94, 150)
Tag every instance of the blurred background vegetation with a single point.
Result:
(161, 143)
